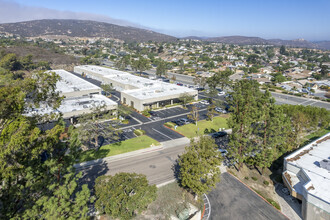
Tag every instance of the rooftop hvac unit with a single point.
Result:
(325, 164)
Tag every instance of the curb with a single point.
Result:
(173, 130)
(165, 183)
(209, 208)
(258, 195)
(117, 157)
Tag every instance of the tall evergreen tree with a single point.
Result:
(199, 165)
(271, 132)
(245, 111)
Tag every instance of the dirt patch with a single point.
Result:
(171, 199)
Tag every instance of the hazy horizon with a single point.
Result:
(210, 18)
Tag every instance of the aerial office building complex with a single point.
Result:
(138, 92)
(307, 176)
(80, 97)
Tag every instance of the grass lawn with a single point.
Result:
(118, 148)
(191, 130)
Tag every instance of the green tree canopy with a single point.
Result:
(36, 172)
(161, 68)
(199, 165)
(123, 195)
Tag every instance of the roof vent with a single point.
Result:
(325, 164)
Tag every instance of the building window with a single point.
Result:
(124, 100)
(132, 104)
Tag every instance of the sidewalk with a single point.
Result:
(118, 157)
(166, 144)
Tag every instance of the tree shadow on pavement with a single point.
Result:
(92, 172)
(176, 170)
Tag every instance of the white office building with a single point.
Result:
(138, 92)
(80, 97)
(307, 176)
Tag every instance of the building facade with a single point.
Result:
(307, 176)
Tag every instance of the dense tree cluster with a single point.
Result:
(123, 195)
(263, 131)
(38, 180)
(11, 62)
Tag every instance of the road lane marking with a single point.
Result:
(162, 133)
(312, 103)
(306, 102)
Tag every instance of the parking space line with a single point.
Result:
(162, 133)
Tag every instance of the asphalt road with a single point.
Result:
(233, 200)
(294, 100)
(157, 166)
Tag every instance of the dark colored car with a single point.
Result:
(153, 113)
(184, 121)
(200, 89)
(179, 84)
(178, 122)
(219, 134)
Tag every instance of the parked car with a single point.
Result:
(184, 120)
(178, 122)
(219, 134)
(204, 102)
(218, 109)
(179, 84)
(221, 93)
(153, 113)
(223, 152)
(199, 89)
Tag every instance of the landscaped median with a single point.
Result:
(191, 130)
(129, 145)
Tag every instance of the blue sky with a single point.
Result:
(285, 19)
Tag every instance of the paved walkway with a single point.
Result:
(289, 205)
(166, 144)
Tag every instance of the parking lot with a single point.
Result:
(233, 200)
(169, 112)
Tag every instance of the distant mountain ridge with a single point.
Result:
(243, 40)
(82, 28)
(86, 28)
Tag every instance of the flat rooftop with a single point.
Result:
(75, 104)
(309, 159)
(160, 91)
(71, 83)
(145, 88)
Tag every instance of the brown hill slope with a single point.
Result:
(82, 28)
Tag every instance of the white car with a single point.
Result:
(218, 109)
(204, 102)
(221, 93)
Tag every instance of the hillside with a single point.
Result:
(242, 40)
(41, 54)
(82, 28)
(238, 40)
